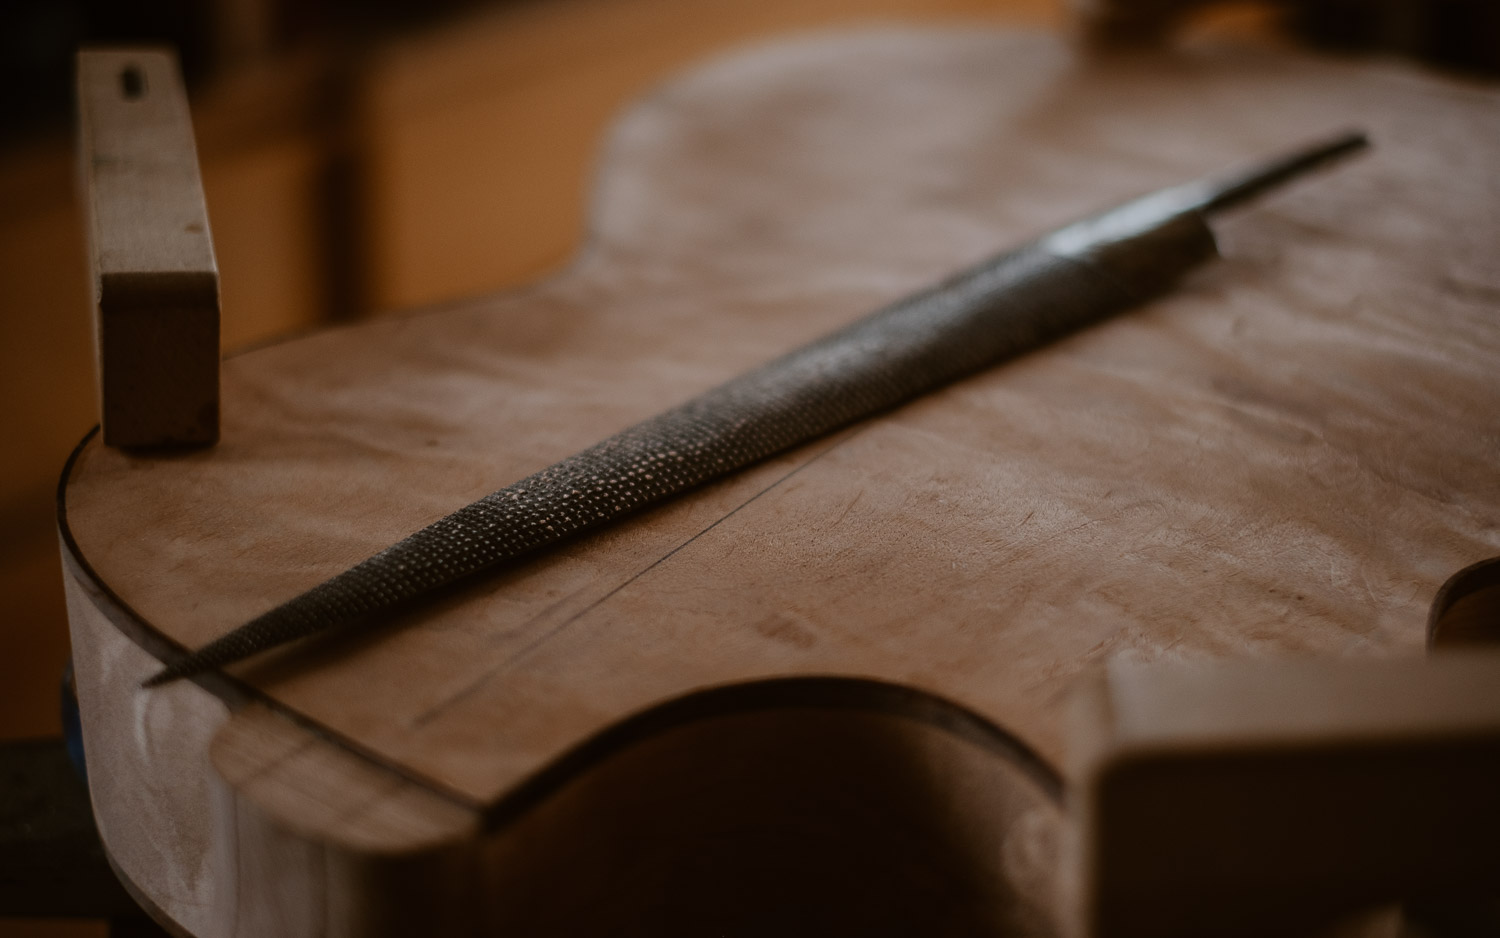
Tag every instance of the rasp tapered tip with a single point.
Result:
(167, 675)
(186, 666)
(255, 636)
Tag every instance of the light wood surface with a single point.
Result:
(155, 281)
(1288, 456)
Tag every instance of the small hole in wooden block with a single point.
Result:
(132, 83)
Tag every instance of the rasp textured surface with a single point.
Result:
(1006, 306)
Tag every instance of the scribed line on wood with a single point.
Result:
(434, 712)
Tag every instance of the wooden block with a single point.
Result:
(154, 278)
(1258, 797)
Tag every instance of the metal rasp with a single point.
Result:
(1000, 308)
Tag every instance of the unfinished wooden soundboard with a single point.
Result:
(1288, 456)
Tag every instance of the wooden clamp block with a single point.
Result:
(154, 278)
(1259, 797)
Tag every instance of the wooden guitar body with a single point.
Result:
(826, 694)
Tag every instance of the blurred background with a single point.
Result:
(366, 156)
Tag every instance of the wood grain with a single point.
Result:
(155, 280)
(1288, 456)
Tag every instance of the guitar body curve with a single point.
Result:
(841, 672)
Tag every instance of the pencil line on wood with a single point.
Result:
(432, 713)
